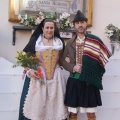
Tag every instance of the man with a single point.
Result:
(84, 57)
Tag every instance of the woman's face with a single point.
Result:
(48, 30)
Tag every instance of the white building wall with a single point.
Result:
(11, 84)
(104, 13)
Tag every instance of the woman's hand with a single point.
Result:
(33, 74)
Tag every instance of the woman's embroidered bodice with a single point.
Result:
(49, 60)
(49, 56)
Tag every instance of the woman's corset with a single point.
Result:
(49, 60)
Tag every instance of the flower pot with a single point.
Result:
(115, 45)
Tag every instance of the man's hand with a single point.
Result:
(77, 68)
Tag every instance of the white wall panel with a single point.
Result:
(108, 114)
(9, 102)
(103, 114)
(112, 67)
(9, 115)
(11, 84)
(111, 83)
(110, 100)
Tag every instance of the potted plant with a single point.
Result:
(113, 33)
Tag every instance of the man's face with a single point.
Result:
(80, 26)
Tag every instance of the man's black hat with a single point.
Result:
(79, 17)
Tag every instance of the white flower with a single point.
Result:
(71, 25)
(26, 17)
(67, 22)
(65, 15)
(19, 17)
(57, 20)
(40, 13)
(109, 33)
(22, 21)
(61, 17)
(64, 20)
(26, 23)
(37, 21)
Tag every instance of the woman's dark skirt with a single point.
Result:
(80, 94)
(23, 96)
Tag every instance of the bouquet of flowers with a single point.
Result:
(112, 32)
(29, 61)
(64, 21)
(26, 60)
(33, 21)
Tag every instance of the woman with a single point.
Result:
(44, 101)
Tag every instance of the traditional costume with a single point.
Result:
(83, 89)
(44, 101)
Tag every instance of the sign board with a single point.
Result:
(66, 34)
(48, 6)
(60, 6)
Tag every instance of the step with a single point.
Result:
(6, 68)
(8, 115)
(11, 84)
(9, 102)
(103, 114)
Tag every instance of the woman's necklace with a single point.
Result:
(46, 39)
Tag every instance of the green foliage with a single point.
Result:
(52, 15)
(112, 32)
(26, 60)
(35, 20)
